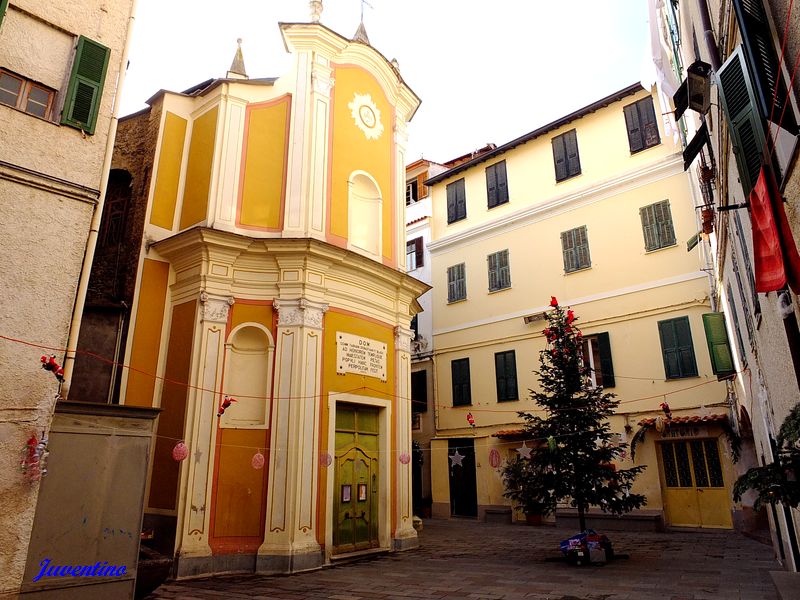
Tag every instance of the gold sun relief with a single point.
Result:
(366, 115)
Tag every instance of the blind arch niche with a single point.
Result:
(249, 360)
(365, 206)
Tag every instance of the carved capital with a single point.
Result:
(215, 308)
(321, 81)
(402, 338)
(300, 313)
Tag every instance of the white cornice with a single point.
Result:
(631, 180)
(649, 285)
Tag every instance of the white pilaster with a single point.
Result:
(405, 536)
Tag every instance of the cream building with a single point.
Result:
(596, 210)
(271, 271)
(61, 68)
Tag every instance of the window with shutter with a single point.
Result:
(737, 328)
(575, 249)
(677, 348)
(565, 155)
(456, 201)
(82, 102)
(719, 348)
(596, 352)
(657, 226)
(456, 283)
(640, 120)
(412, 192)
(747, 263)
(499, 271)
(744, 122)
(414, 254)
(505, 369)
(459, 371)
(496, 184)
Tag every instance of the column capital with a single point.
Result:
(300, 312)
(215, 307)
(402, 338)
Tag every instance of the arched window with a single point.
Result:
(248, 376)
(365, 208)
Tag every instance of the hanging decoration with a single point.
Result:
(470, 419)
(49, 364)
(34, 458)
(456, 459)
(180, 452)
(258, 461)
(553, 301)
(660, 425)
(405, 458)
(667, 411)
(524, 451)
(494, 458)
(226, 402)
(325, 459)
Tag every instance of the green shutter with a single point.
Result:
(503, 269)
(606, 364)
(683, 332)
(568, 250)
(451, 202)
(664, 228)
(718, 346)
(461, 200)
(649, 226)
(511, 376)
(491, 186)
(3, 8)
(502, 182)
(493, 272)
(582, 248)
(451, 284)
(634, 128)
(739, 103)
(560, 158)
(85, 89)
(573, 159)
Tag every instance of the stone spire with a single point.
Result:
(237, 70)
(361, 34)
(316, 10)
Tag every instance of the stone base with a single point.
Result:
(406, 543)
(274, 564)
(194, 566)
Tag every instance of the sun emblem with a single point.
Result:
(366, 115)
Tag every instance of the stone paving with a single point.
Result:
(466, 559)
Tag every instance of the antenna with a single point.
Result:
(363, 2)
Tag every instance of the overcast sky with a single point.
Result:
(486, 71)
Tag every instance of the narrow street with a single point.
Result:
(465, 559)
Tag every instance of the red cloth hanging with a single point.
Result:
(777, 261)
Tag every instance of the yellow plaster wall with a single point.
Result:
(147, 333)
(198, 170)
(351, 150)
(264, 164)
(168, 176)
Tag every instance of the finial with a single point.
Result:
(237, 70)
(316, 10)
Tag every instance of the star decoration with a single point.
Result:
(455, 459)
(524, 451)
(197, 454)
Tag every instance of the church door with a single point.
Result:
(357, 479)
(694, 490)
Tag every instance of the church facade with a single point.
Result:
(270, 310)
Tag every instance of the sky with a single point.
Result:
(486, 71)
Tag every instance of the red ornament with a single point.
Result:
(570, 317)
(470, 419)
(258, 461)
(553, 301)
(325, 459)
(180, 452)
(225, 404)
(667, 411)
(49, 364)
(405, 458)
(494, 458)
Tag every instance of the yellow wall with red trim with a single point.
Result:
(168, 176)
(351, 150)
(198, 170)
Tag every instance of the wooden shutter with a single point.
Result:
(451, 202)
(85, 90)
(571, 147)
(649, 227)
(451, 284)
(418, 251)
(647, 122)
(763, 59)
(635, 140)
(493, 272)
(461, 200)
(677, 348)
(3, 8)
(500, 375)
(422, 189)
(739, 103)
(560, 158)
(664, 229)
(459, 370)
(582, 248)
(502, 182)
(719, 348)
(683, 333)
(568, 250)
(606, 364)
(669, 349)
(510, 375)
(503, 269)
(491, 186)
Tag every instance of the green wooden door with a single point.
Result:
(357, 478)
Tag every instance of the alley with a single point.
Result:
(465, 559)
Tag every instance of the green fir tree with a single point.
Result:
(573, 453)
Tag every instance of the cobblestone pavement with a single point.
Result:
(465, 559)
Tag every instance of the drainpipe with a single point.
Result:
(708, 34)
(91, 241)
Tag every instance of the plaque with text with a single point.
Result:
(360, 355)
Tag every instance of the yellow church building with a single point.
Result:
(270, 311)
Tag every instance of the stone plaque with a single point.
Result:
(360, 355)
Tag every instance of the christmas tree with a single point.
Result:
(572, 458)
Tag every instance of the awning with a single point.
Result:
(691, 420)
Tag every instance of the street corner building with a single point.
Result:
(265, 309)
(596, 210)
